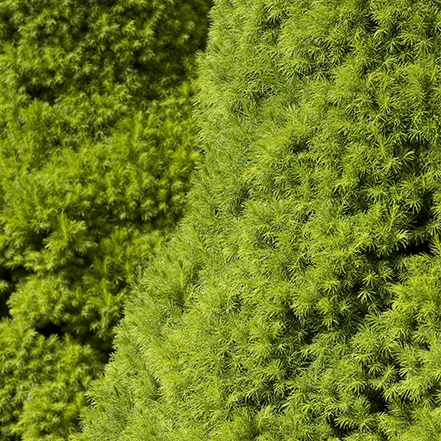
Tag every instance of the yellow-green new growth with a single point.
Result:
(300, 299)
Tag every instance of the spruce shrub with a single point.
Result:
(300, 298)
(96, 149)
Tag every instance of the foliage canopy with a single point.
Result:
(300, 299)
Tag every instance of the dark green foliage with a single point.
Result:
(96, 149)
(300, 299)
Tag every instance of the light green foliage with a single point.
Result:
(96, 148)
(300, 299)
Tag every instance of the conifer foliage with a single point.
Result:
(301, 298)
(96, 148)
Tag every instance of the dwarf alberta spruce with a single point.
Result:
(300, 299)
(96, 149)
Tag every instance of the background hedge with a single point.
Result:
(96, 148)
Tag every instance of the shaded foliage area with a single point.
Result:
(96, 149)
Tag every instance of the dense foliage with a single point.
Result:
(301, 298)
(96, 149)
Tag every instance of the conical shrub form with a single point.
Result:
(96, 148)
(300, 299)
